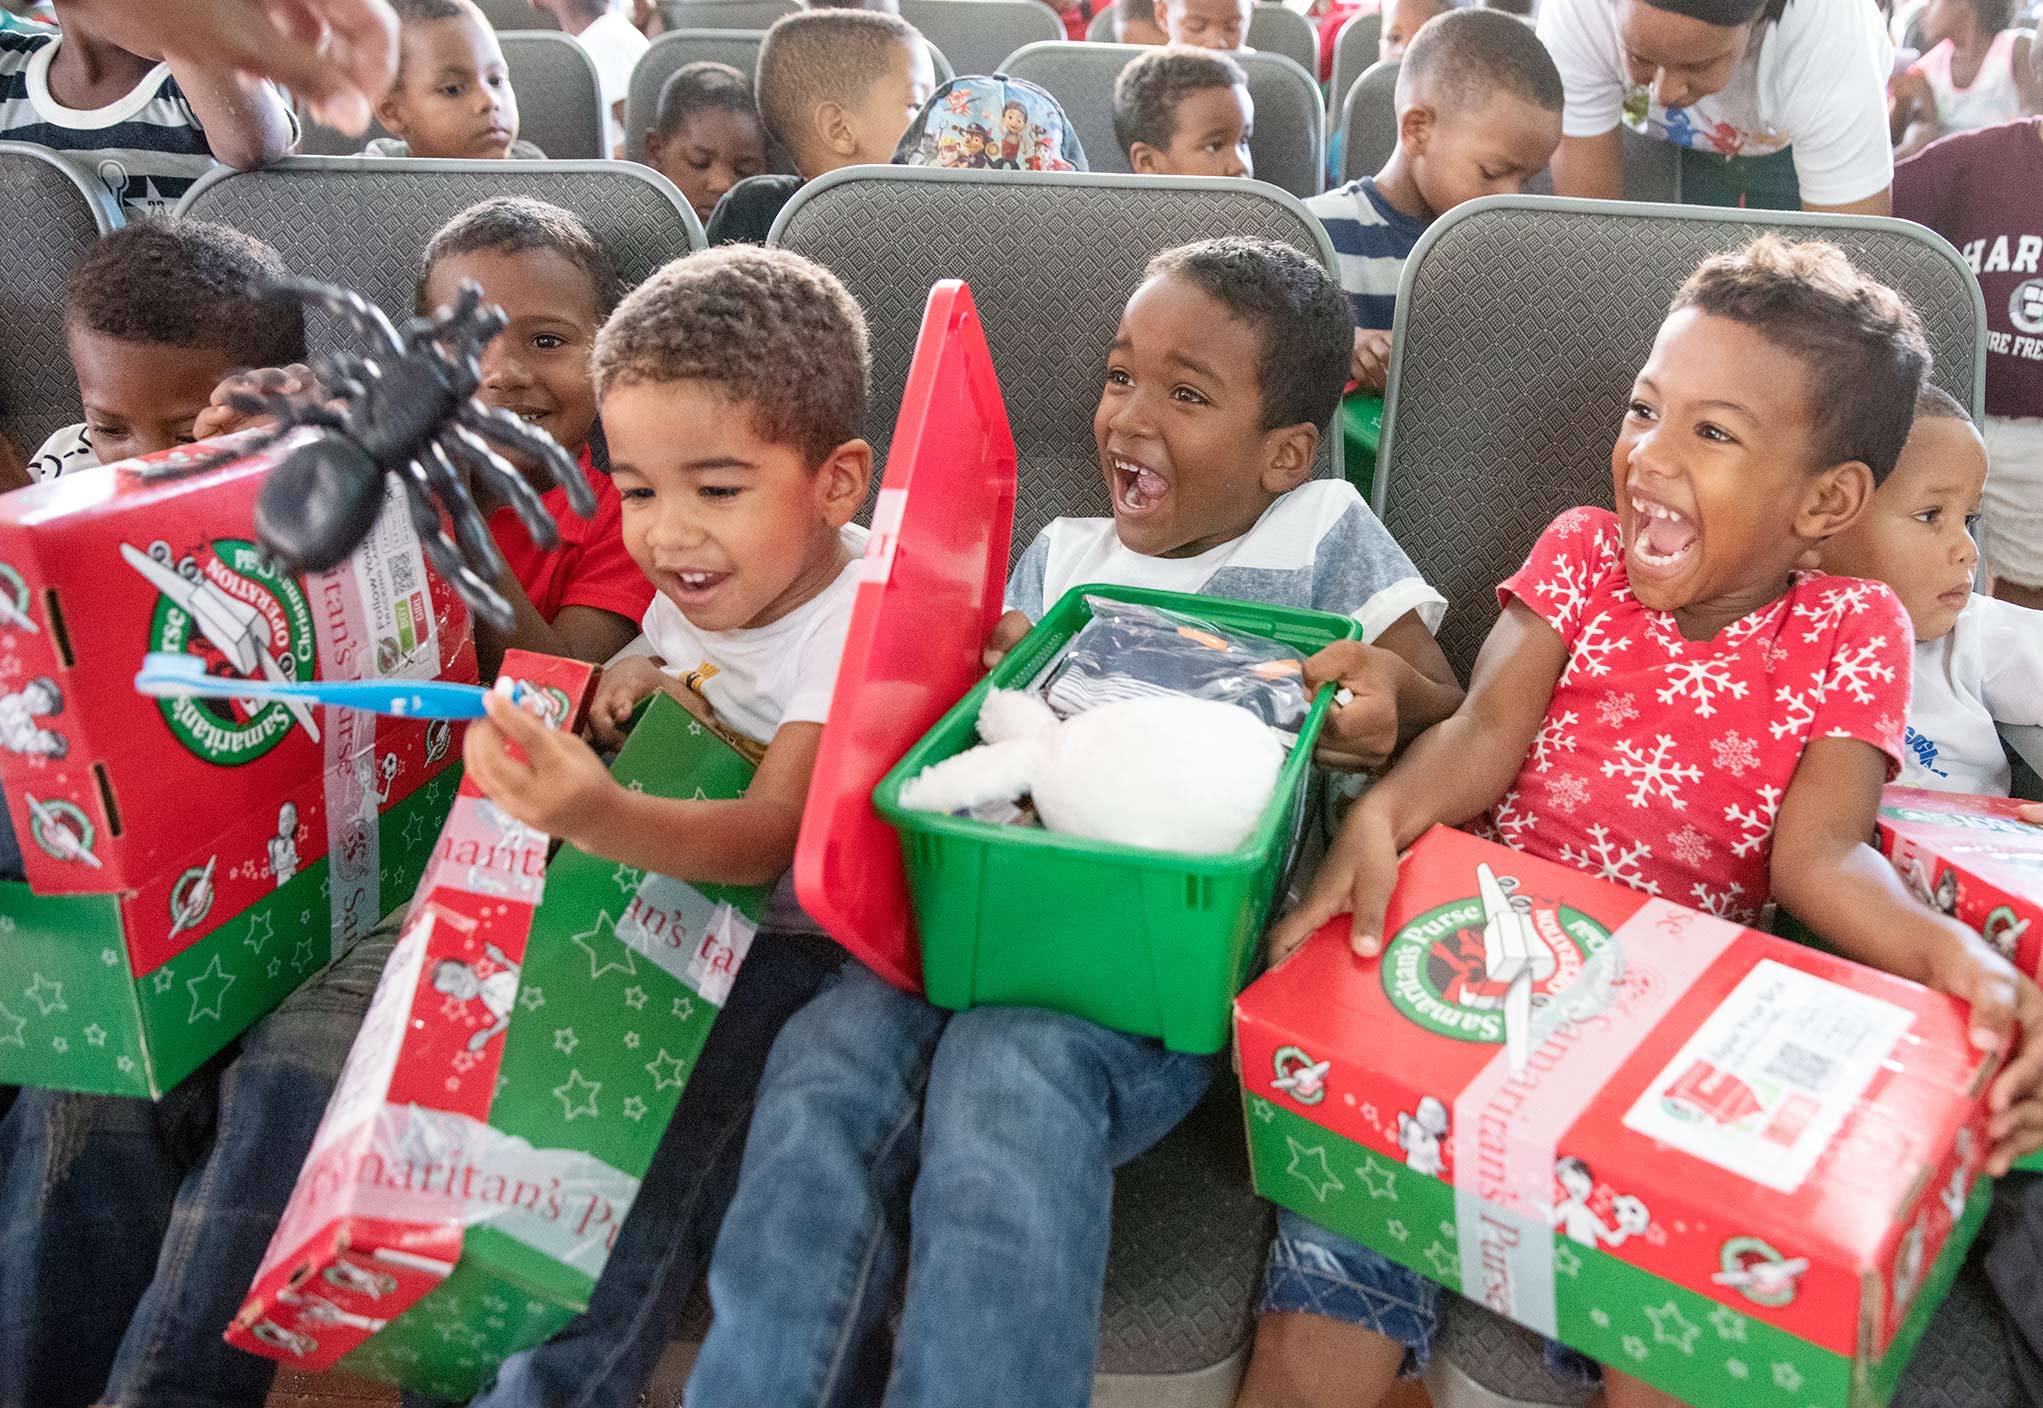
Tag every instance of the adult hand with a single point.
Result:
(339, 56)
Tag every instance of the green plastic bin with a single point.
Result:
(1151, 942)
(1361, 434)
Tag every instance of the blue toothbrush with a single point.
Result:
(169, 675)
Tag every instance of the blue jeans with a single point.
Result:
(974, 1152)
(130, 1230)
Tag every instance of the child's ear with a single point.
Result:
(390, 112)
(832, 126)
(1145, 160)
(1288, 455)
(1835, 499)
(1161, 15)
(1415, 128)
(842, 481)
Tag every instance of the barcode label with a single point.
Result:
(1799, 1066)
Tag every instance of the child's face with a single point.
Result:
(141, 397)
(1715, 474)
(1401, 20)
(1138, 29)
(734, 529)
(876, 122)
(537, 368)
(1681, 60)
(1945, 19)
(1210, 137)
(711, 151)
(453, 93)
(1916, 535)
(1205, 24)
(1492, 150)
(1179, 425)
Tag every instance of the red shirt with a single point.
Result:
(1663, 761)
(589, 566)
(1979, 190)
(1338, 14)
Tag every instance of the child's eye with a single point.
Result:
(1930, 517)
(548, 341)
(1118, 377)
(1715, 434)
(1187, 395)
(450, 90)
(1639, 410)
(635, 496)
(720, 493)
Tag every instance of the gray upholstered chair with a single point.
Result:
(314, 212)
(1289, 145)
(515, 14)
(53, 214)
(724, 14)
(559, 109)
(1278, 29)
(1368, 123)
(978, 34)
(1354, 52)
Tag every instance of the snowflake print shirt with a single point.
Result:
(1662, 761)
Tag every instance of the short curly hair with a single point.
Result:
(514, 224)
(703, 86)
(1301, 317)
(1861, 342)
(776, 332)
(817, 56)
(188, 283)
(1149, 89)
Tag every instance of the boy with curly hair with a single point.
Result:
(1180, 111)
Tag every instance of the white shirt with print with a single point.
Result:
(1987, 671)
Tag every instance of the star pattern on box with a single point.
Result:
(666, 1071)
(1567, 1261)
(11, 1028)
(565, 1041)
(161, 982)
(414, 830)
(683, 1009)
(1787, 1376)
(1737, 1368)
(109, 957)
(577, 1095)
(634, 1108)
(305, 953)
(1670, 1326)
(627, 879)
(1635, 1347)
(125, 1065)
(59, 1045)
(532, 998)
(460, 1334)
(1445, 1262)
(48, 996)
(1378, 1181)
(1309, 1166)
(1729, 1324)
(1398, 1230)
(634, 997)
(259, 932)
(95, 1035)
(209, 991)
(274, 967)
(631, 1041)
(1600, 1318)
(604, 958)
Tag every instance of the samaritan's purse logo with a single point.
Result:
(261, 610)
(1435, 973)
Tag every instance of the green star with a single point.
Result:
(1304, 1162)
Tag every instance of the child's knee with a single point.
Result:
(1305, 1360)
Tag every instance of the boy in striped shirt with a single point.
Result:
(1478, 114)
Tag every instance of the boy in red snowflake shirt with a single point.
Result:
(1668, 702)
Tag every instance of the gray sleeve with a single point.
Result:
(1360, 571)
(1025, 583)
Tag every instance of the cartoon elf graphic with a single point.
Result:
(283, 846)
(498, 991)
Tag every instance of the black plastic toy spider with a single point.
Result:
(406, 408)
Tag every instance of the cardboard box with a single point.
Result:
(190, 862)
(1741, 1170)
(506, 1093)
(1972, 858)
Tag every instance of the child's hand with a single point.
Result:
(2007, 1016)
(222, 418)
(560, 784)
(1370, 364)
(2033, 813)
(1360, 734)
(623, 685)
(1007, 634)
(1357, 876)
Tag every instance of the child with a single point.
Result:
(707, 136)
(836, 88)
(613, 44)
(1976, 74)
(1184, 112)
(1668, 703)
(143, 127)
(452, 96)
(1978, 661)
(1135, 23)
(983, 1144)
(1972, 189)
(156, 315)
(1204, 24)
(1402, 20)
(1478, 114)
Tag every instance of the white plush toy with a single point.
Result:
(1164, 773)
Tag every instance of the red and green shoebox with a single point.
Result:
(514, 1076)
(1739, 1169)
(1973, 858)
(190, 862)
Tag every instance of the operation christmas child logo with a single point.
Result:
(230, 606)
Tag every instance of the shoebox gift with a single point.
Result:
(525, 1049)
(1974, 859)
(1739, 1169)
(190, 861)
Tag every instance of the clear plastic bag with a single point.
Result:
(1128, 652)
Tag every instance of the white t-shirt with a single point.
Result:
(1318, 546)
(65, 452)
(1988, 670)
(1815, 80)
(614, 44)
(760, 678)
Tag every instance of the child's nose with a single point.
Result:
(501, 368)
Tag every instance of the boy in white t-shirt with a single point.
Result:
(613, 43)
(1978, 660)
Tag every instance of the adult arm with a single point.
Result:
(247, 123)
(1591, 168)
(1582, 37)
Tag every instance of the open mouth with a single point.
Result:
(690, 587)
(1662, 537)
(1137, 488)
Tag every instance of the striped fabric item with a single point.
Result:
(146, 148)
(1371, 239)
